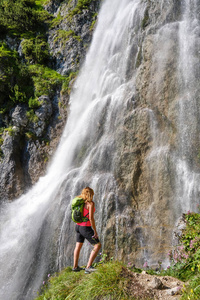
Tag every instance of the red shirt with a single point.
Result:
(85, 213)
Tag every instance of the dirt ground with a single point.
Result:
(145, 286)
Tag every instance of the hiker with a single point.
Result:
(87, 230)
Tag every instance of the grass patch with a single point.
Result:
(81, 5)
(108, 281)
(63, 35)
(56, 21)
(35, 50)
(45, 80)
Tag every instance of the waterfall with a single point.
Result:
(37, 235)
(173, 161)
(123, 140)
(188, 189)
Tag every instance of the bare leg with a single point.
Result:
(76, 253)
(93, 254)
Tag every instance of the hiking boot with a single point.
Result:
(90, 270)
(77, 269)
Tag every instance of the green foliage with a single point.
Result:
(185, 258)
(33, 103)
(192, 291)
(10, 130)
(56, 21)
(32, 116)
(107, 282)
(19, 16)
(30, 135)
(67, 83)
(94, 21)
(35, 50)
(40, 3)
(45, 80)
(81, 4)
(15, 81)
(63, 35)
(18, 95)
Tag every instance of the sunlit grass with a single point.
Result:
(108, 281)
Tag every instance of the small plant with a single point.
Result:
(30, 136)
(56, 21)
(68, 82)
(93, 22)
(35, 50)
(45, 80)
(11, 130)
(81, 4)
(18, 95)
(34, 103)
(32, 116)
(63, 36)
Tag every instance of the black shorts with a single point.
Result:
(85, 232)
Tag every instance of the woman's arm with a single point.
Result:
(91, 218)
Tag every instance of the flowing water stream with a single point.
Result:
(37, 236)
(36, 232)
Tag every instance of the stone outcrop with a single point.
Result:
(149, 145)
(71, 35)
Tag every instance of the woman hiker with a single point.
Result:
(87, 230)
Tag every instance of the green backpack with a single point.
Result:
(77, 210)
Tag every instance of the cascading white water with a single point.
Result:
(174, 121)
(36, 230)
(188, 189)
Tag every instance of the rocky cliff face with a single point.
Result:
(149, 144)
(29, 141)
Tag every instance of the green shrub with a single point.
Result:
(33, 103)
(32, 116)
(68, 82)
(10, 130)
(185, 258)
(81, 4)
(18, 95)
(63, 36)
(15, 81)
(45, 80)
(20, 16)
(30, 135)
(35, 50)
(56, 21)
(94, 21)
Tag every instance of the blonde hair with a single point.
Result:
(87, 194)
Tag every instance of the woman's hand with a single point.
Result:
(95, 235)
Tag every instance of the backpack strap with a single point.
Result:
(86, 215)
